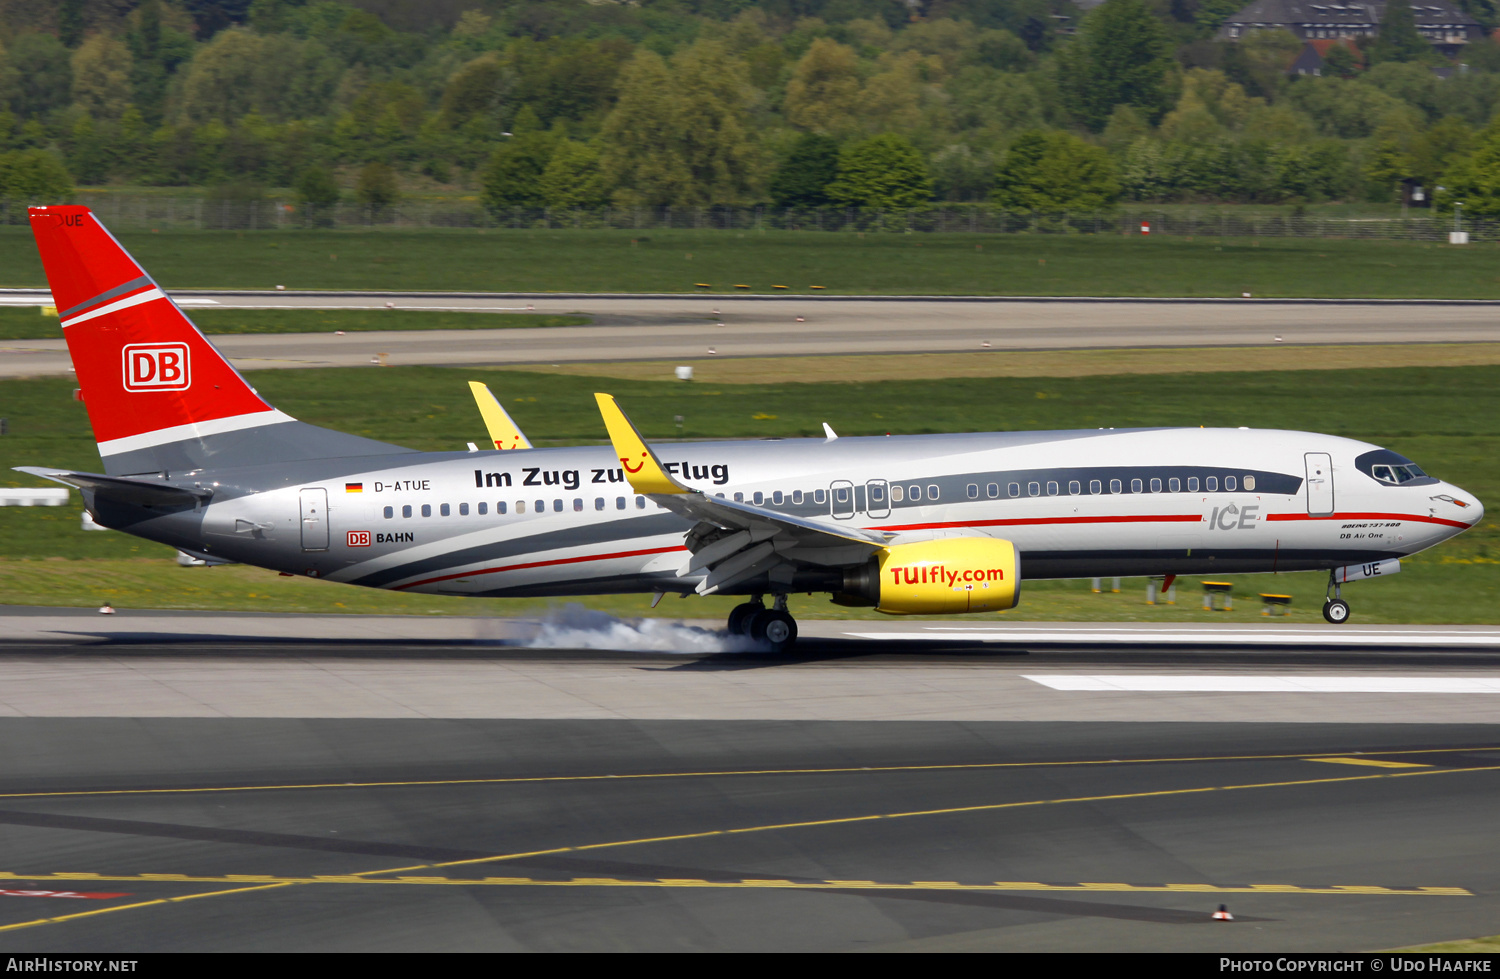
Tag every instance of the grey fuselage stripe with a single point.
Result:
(108, 294)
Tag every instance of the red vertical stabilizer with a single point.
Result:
(148, 376)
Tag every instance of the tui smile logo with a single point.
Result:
(637, 467)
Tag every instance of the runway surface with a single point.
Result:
(666, 328)
(188, 782)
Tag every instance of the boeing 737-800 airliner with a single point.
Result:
(932, 524)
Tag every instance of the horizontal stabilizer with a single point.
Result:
(138, 492)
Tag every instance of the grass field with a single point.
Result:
(1444, 417)
(26, 323)
(673, 261)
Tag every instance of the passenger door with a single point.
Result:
(314, 519)
(877, 499)
(1319, 484)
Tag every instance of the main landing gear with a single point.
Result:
(1335, 609)
(773, 625)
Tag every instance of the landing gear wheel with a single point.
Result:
(740, 615)
(775, 626)
(1336, 611)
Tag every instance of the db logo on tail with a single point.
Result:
(157, 367)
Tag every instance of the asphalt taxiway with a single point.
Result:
(693, 327)
(191, 782)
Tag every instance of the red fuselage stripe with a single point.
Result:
(543, 564)
(1371, 516)
(1029, 521)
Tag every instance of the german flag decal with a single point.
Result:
(354, 487)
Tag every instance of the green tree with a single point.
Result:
(641, 157)
(1399, 39)
(722, 158)
(823, 93)
(1475, 180)
(1340, 62)
(317, 196)
(1056, 171)
(1122, 55)
(475, 90)
(45, 72)
(805, 173)
(884, 172)
(101, 77)
(35, 177)
(572, 178)
(513, 176)
(222, 81)
(377, 188)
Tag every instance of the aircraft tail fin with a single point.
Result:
(504, 433)
(159, 396)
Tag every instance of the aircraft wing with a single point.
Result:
(504, 433)
(733, 541)
(139, 492)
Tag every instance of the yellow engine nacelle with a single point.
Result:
(939, 577)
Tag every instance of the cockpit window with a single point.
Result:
(1385, 466)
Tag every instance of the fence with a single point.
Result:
(147, 212)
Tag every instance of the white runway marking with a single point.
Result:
(1158, 683)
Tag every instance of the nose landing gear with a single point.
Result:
(773, 625)
(1335, 609)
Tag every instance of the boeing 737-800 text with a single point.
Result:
(932, 524)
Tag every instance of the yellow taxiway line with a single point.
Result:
(643, 776)
(1087, 887)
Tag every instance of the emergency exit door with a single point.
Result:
(314, 519)
(1319, 484)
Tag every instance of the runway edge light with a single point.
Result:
(1223, 914)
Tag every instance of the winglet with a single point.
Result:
(643, 470)
(504, 433)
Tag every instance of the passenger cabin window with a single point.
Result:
(777, 498)
(426, 509)
(444, 511)
(759, 498)
(876, 491)
(1135, 486)
(499, 507)
(1052, 487)
(1211, 484)
(973, 491)
(913, 491)
(739, 497)
(577, 505)
(463, 509)
(1013, 490)
(598, 503)
(1230, 483)
(619, 503)
(1174, 485)
(1155, 485)
(932, 491)
(820, 496)
(1095, 487)
(1033, 489)
(1249, 482)
(898, 493)
(797, 496)
(640, 503)
(992, 490)
(1074, 487)
(1192, 484)
(1115, 486)
(406, 510)
(390, 512)
(520, 506)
